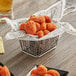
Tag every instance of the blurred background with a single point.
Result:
(16, 60)
(28, 7)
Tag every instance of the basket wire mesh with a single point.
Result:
(38, 48)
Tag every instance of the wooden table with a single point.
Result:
(63, 57)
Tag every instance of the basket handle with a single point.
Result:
(68, 28)
(69, 10)
(8, 21)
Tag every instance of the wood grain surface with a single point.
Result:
(63, 57)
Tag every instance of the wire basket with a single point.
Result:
(38, 48)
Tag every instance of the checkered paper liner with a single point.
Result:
(56, 12)
(33, 45)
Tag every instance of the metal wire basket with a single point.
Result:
(38, 48)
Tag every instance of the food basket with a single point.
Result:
(37, 47)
